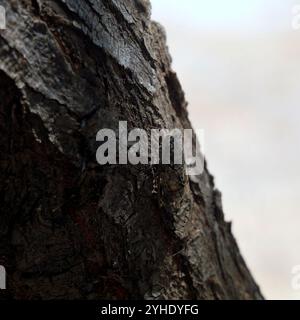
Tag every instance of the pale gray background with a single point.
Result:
(239, 64)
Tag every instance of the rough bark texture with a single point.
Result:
(70, 228)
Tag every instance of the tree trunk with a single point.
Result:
(69, 227)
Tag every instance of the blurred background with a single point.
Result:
(239, 65)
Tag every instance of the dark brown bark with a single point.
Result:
(70, 228)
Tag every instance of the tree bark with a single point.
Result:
(70, 228)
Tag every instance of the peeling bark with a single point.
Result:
(70, 228)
